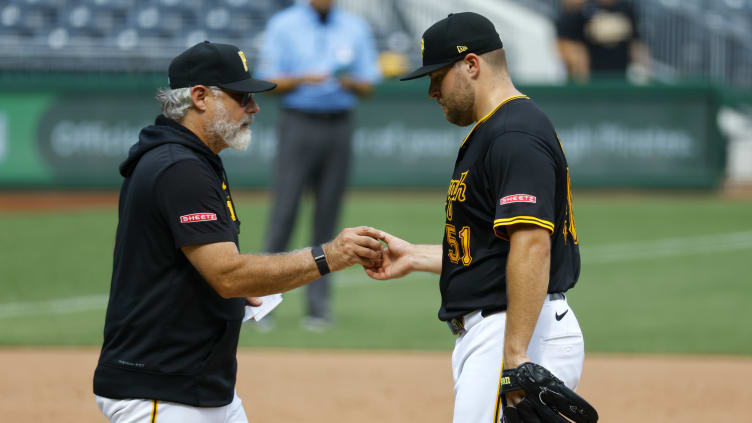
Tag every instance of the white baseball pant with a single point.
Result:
(153, 411)
(556, 344)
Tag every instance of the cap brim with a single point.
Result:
(424, 70)
(249, 85)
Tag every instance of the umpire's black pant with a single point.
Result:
(313, 151)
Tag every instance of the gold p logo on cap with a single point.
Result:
(242, 57)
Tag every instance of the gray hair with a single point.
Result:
(176, 102)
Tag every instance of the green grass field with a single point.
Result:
(661, 273)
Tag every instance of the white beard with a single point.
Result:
(235, 135)
(240, 140)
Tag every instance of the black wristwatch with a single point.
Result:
(320, 258)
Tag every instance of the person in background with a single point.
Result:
(601, 39)
(322, 59)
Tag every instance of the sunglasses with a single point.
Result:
(241, 98)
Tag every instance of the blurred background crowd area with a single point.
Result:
(676, 111)
(683, 39)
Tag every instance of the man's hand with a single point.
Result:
(358, 245)
(360, 88)
(254, 301)
(395, 260)
(235, 275)
(313, 79)
(286, 85)
(511, 362)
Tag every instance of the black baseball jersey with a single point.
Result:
(168, 335)
(510, 169)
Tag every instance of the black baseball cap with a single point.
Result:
(452, 38)
(212, 64)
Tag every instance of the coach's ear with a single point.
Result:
(199, 94)
(471, 65)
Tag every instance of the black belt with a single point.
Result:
(333, 115)
(457, 325)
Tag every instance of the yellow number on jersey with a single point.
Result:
(454, 245)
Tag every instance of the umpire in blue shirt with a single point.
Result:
(322, 59)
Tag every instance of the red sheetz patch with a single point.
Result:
(198, 217)
(517, 198)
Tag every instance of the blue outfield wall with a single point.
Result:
(71, 131)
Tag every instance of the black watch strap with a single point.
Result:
(320, 258)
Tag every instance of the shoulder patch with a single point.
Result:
(198, 217)
(517, 198)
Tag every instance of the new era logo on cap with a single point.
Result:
(453, 37)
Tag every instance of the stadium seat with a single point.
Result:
(22, 19)
(223, 23)
(146, 33)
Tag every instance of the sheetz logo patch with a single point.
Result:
(198, 217)
(517, 198)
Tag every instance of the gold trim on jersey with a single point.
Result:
(497, 408)
(232, 211)
(569, 226)
(154, 412)
(523, 219)
(230, 204)
(484, 118)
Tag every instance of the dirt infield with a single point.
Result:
(397, 387)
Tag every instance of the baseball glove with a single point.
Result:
(546, 400)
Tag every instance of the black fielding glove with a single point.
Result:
(546, 400)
